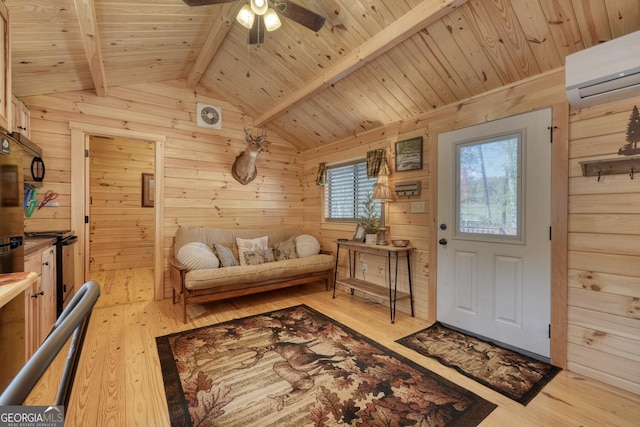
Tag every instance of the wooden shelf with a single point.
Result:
(627, 165)
(370, 288)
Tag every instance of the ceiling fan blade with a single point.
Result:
(301, 15)
(256, 33)
(206, 2)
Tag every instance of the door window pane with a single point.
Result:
(489, 188)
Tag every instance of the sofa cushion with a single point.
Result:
(225, 255)
(307, 245)
(225, 279)
(259, 256)
(285, 250)
(197, 255)
(245, 245)
(227, 236)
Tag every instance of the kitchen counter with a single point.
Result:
(12, 284)
(35, 244)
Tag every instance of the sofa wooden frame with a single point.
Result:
(178, 271)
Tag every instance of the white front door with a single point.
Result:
(494, 252)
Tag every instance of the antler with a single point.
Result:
(249, 137)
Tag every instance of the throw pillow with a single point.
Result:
(259, 256)
(197, 256)
(225, 255)
(307, 245)
(285, 250)
(250, 245)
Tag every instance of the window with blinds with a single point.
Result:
(347, 188)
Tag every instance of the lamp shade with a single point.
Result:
(271, 20)
(246, 16)
(259, 7)
(382, 190)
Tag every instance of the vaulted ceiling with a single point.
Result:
(373, 63)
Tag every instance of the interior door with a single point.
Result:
(494, 252)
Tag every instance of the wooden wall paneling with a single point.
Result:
(603, 259)
(528, 95)
(275, 198)
(122, 231)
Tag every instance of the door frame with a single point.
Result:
(80, 133)
(559, 223)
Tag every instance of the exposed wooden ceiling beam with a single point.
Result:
(86, 12)
(421, 16)
(219, 29)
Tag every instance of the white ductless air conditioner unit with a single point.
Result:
(603, 73)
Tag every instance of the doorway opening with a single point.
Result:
(81, 133)
(121, 204)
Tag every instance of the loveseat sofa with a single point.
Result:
(210, 264)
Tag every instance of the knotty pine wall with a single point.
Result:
(121, 229)
(198, 186)
(604, 252)
(602, 338)
(603, 217)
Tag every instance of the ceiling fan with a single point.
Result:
(269, 10)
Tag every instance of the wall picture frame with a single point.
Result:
(409, 154)
(359, 234)
(148, 190)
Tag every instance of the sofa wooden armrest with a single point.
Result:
(177, 272)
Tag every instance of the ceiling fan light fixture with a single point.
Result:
(259, 7)
(271, 20)
(246, 16)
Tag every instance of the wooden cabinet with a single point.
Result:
(13, 286)
(40, 299)
(5, 69)
(21, 117)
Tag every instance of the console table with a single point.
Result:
(391, 290)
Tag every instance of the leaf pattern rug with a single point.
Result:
(298, 367)
(515, 375)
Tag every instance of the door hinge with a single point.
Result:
(86, 153)
(549, 330)
(550, 233)
(86, 219)
(551, 129)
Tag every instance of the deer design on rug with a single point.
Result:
(300, 367)
(244, 168)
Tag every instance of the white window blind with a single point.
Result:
(347, 187)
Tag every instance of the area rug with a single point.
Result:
(515, 375)
(298, 367)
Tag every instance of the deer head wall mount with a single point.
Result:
(244, 168)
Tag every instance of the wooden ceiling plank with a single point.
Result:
(504, 24)
(592, 21)
(536, 30)
(563, 26)
(623, 17)
(85, 9)
(419, 17)
(480, 63)
(219, 29)
(460, 70)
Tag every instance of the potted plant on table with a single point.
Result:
(370, 221)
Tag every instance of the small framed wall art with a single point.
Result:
(148, 190)
(409, 154)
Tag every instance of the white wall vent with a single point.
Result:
(209, 116)
(604, 73)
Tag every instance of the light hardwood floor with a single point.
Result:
(119, 381)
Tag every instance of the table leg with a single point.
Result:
(410, 287)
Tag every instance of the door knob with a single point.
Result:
(442, 241)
